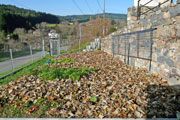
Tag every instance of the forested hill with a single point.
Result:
(84, 18)
(12, 17)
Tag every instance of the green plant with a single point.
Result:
(93, 99)
(53, 73)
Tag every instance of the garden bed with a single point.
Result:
(89, 85)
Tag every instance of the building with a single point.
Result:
(53, 34)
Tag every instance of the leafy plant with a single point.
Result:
(93, 99)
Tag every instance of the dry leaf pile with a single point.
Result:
(121, 91)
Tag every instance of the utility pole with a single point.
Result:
(104, 17)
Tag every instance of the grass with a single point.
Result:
(51, 25)
(24, 72)
(6, 55)
(54, 73)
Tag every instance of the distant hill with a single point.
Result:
(85, 18)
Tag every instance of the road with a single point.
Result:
(6, 65)
(65, 48)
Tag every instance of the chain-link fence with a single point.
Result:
(17, 57)
(135, 45)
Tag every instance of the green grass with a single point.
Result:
(51, 25)
(63, 52)
(6, 55)
(24, 72)
(54, 73)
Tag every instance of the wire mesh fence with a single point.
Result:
(15, 58)
(135, 44)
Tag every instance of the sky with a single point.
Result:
(69, 7)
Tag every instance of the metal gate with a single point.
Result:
(54, 47)
(135, 44)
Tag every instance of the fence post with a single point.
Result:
(125, 49)
(113, 46)
(138, 37)
(151, 37)
(12, 62)
(50, 42)
(43, 49)
(118, 44)
(31, 53)
(129, 48)
(59, 47)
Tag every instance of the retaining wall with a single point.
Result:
(166, 46)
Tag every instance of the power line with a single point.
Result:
(99, 5)
(78, 7)
(89, 6)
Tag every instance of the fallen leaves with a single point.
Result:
(122, 91)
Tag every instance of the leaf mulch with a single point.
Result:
(117, 90)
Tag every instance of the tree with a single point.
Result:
(113, 22)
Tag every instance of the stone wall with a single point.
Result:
(166, 47)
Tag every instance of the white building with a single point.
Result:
(153, 3)
(53, 35)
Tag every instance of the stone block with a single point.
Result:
(161, 59)
(170, 62)
(159, 30)
(167, 60)
(174, 11)
(169, 21)
(177, 18)
(165, 9)
(166, 15)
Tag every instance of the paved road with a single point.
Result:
(65, 48)
(6, 65)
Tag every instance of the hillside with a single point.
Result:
(85, 18)
(12, 17)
